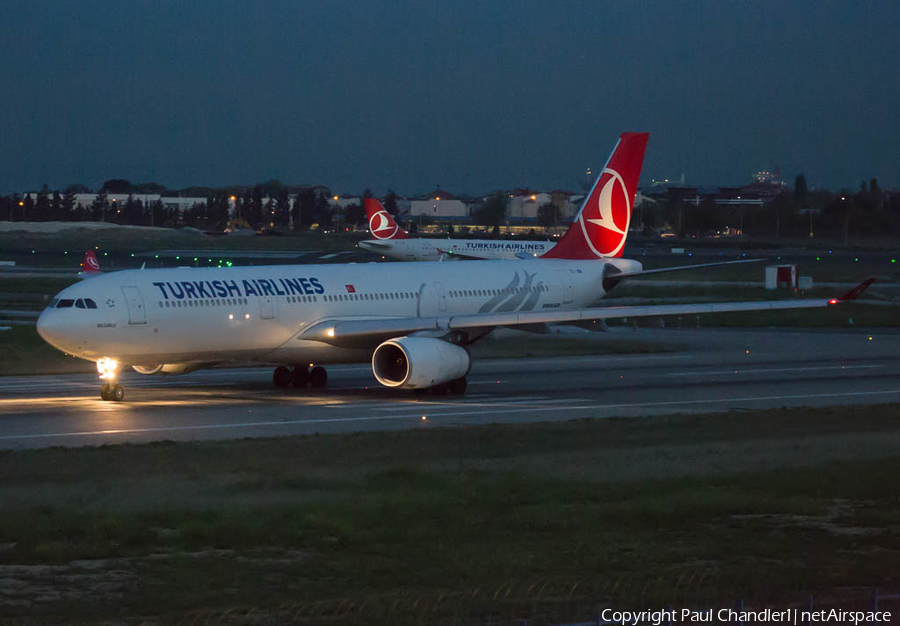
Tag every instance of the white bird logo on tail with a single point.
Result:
(604, 243)
(383, 224)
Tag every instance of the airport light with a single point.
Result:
(231, 316)
(246, 316)
(21, 203)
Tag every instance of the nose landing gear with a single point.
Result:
(111, 390)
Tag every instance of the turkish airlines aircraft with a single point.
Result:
(412, 320)
(90, 267)
(392, 241)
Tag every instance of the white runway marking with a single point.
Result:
(417, 415)
(740, 370)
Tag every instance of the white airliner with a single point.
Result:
(394, 242)
(412, 320)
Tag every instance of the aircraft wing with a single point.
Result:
(677, 268)
(451, 254)
(376, 244)
(362, 333)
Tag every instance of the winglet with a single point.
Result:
(854, 293)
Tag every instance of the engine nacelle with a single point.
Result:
(418, 362)
(168, 368)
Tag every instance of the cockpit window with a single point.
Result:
(65, 303)
(79, 303)
(90, 303)
(52, 304)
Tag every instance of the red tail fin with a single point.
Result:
(381, 223)
(90, 265)
(601, 226)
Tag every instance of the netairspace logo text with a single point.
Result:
(787, 616)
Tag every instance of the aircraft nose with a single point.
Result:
(48, 327)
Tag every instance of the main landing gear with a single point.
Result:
(299, 377)
(455, 387)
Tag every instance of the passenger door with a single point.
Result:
(565, 283)
(266, 308)
(441, 296)
(135, 303)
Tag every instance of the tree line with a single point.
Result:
(797, 213)
(266, 205)
(800, 212)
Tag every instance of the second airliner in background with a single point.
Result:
(394, 242)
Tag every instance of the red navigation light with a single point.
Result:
(832, 301)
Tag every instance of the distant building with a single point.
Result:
(439, 203)
(343, 201)
(524, 204)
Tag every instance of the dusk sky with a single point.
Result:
(471, 96)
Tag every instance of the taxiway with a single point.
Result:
(720, 370)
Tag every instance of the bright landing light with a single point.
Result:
(107, 368)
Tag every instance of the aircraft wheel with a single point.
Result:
(318, 377)
(281, 377)
(117, 393)
(458, 386)
(299, 377)
(104, 392)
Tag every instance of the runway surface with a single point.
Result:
(721, 370)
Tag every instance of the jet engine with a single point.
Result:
(418, 362)
(168, 368)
